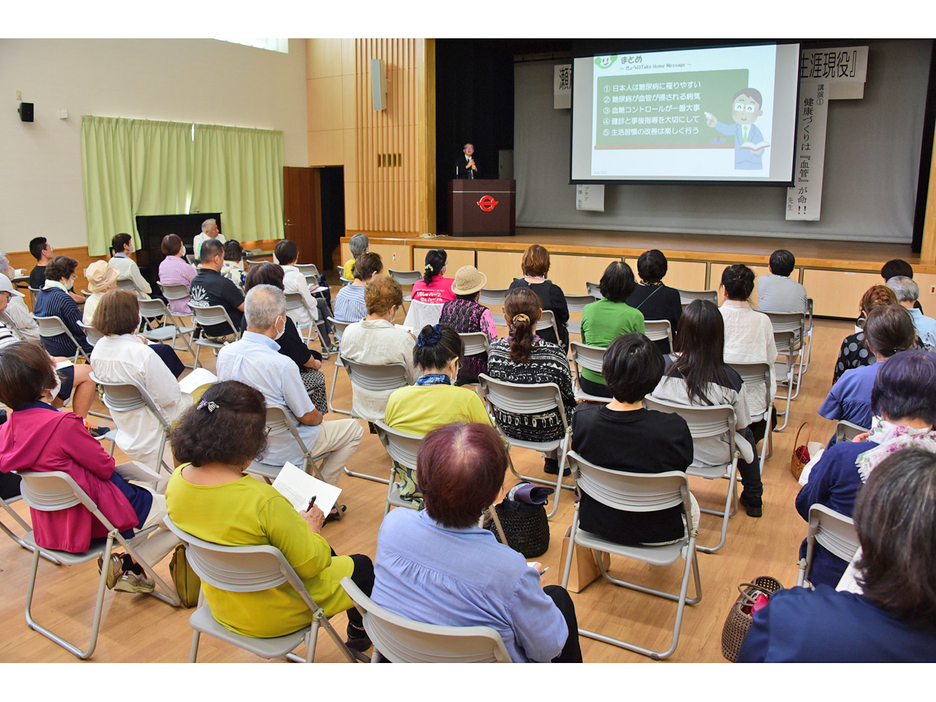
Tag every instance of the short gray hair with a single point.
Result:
(359, 244)
(206, 225)
(263, 304)
(4, 262)
(904, 288)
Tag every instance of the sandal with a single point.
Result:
(336, 514)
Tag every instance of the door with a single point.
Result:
(303, 212)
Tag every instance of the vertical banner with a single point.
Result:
(589, 197)
(562, 87)
(804, 199)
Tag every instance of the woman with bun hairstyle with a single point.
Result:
(433, 401)
(434, 288)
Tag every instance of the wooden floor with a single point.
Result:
(138, 629)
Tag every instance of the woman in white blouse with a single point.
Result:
(121, 357)
(749, 336)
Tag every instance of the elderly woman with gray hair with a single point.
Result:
(16, 311)
(358, 245)
(908, 293)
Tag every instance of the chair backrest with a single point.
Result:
(154, 308)
(215, 314)
(309, 270)
(405, 277)
(586, 356)
(475, 343)
(174, 292)
(492, 296)
(548, 321)
(754, 375)
(54, 326)
(703, 422)
(594, 289)
(422, 313)
(377, 378)
(54, 491)
(687, 296)
(631, 492)
(127, 284)
(251, 263)
(280, 420)
(401, 446)
(514, 398)
(127, 396)
(834, 531)
(659, 329)
(576, 303)
(294, 301)
(338, 327)
(786, 322)
(402, 640)
(846, 431)
(91, 334)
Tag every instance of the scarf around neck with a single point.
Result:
(891, 438)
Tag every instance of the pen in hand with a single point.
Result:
(311, 502)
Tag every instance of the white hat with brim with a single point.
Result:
(6, 285)
(468, 280)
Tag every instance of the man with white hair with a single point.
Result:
(908, 292)
(17, 312)
(209, 230)
(256, 361)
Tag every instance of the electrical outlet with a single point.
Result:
(932, 289)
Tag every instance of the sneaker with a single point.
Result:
(551, 467)
(751, 509)
(134, 582)
(114, 570)
(96, 432)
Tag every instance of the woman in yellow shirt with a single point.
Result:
(210, 498)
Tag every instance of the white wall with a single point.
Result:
(181, 80)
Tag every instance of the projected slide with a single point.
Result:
(725, 114)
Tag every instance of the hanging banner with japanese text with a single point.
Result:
(804, 199)
(562, 87)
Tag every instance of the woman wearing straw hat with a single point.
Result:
(101, 278)
(466, 315)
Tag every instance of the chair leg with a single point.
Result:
(730, 501)
(193, 654)
(567, 567)
(562, 465)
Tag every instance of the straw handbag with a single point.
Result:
(753, 596)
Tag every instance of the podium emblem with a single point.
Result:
(487, 203)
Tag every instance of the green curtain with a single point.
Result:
(239, 172)
(105, 167)
(161, 161)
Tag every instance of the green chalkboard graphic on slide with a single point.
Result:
(665, 110)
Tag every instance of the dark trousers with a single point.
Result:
(169, 357)
(363, 577)
(750, 474)
(572, 651)
(594, 388)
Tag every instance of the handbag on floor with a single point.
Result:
(752, 598)
(187, 584)
(524, 520)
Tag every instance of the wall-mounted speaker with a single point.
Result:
(26, 111)
(378, 72)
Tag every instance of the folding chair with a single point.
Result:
(590, 357)
(538, 398)
(808, 338)
(26, 528)
(91, 334)
(576, 303)
(174, 292)
(377, 378)
(420, 314)
(295, 301)
(338, 328)
(308, 270)
(128, 284)
(758, 375)
(705, 422)
(548, 321)
(402, 640)
(594, 289)
(209, 316)
(835, 533)
(494, 296)
(54, 326)
(55, 491)
(846, 431)
(402, 448)
(280, 420)
(250, 569)
(405, 278)
(637, 492)
(476, 343)
(252, 263)
(789, 331)
(32, 297)
(127, 396)
(659, 329)
(5, 318)
(171, 328)
(687, 296)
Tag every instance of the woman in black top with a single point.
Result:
(535, 266)
(652, 298)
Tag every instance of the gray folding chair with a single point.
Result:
(376, 378)
(576, 303)
(405, 278)
(209, 316)
(494, 296)
(757, 375)
(548, 321)
(705, 422)
(254, 263)
(476, 343)
(808, 338)
(26, 528)
(834, 531)
(91, 334)
(594, 289)
(338, 329)
(590, 357)
(250, 569)
(54, 326)
(308, 270)
(687, 296)
(637, 492)
(402, 640)
(659, 329)
(280, 420)
(789, 332)
(538, 398)
(294, 301)
(128, 284)
(171, 328)
(55, 491)
(846, 431)
(32, 297)
(128, 396)
(402, 448)
(174, 292)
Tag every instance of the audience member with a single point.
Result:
(433, 401)
(854, 352)
(888, 331)
(438, 567)
(211, 289)
(778, 292)
(43, 252)
(749, 337)
(17, 312)
(898, 267)
(894, 619)
(908, 293)
(102, 278)
(652, 298)
(434, 287)
(54, 301)
(175, 270)
(291, 345)
(624, 436)
(524, 358)
(904, 404)
(39, 438)
(605, 320)
(696, 375)
(126, 266)
(315, 311)
(256, 360)
(8, 293)
(349, 302)
(358, 245)
(209, 230)
(535, 266)
(233, 266)
(376, 341)
(210, 498)
(466, 315)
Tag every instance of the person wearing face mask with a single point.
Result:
(126, 266)
(255, 360)
(54, 301)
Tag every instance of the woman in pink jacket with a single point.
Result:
(38, 437)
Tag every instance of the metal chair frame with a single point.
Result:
(402, 448)
(295, 301)
(594, 289)
(405, 278)
(789, 335)
(209, 316)
(753, 374)
(26, 528)
(847, 431)
(576, 303)
(590, 357)
(834, 531)
(54, 326)
(156, 308)
(279, 420)
(687, 296)
(659, 329)
(338, 329)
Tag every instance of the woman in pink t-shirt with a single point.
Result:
(434, 287)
